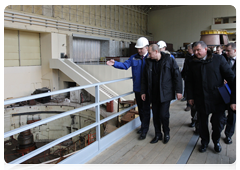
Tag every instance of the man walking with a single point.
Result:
(187, 61)
(231, 117)
(206, 73)
(185, 70)
(161, 80)
(137, 62)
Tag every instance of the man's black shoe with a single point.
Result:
(142, 136)
(139, 131)
(217, 147)
(156, 139)
(202, 148)
(166, 139)
(228, 140)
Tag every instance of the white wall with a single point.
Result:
(52, 44)
(21, 81)
(184, 24)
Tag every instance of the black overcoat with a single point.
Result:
(204, 78)
(170, 78)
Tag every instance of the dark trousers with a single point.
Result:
(161, 117)
(217, 121)
(231, 121)
(185, 95)
(194, 113)
(144, 111)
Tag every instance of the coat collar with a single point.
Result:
(208, 59)
(145, 56)
(163, 56)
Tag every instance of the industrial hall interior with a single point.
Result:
(71, 98)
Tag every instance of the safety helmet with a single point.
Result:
(214, 49)
(142, 42)
(161, 44)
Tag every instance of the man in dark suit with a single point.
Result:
(187, 61)
(206, 73)
(188, 58)
(234, 95)
(161, 80)
(231, 117)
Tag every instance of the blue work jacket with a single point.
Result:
(137, 64)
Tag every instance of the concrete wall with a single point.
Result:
(116, 17)
(21, 81)
(52, 44)
(184, 24)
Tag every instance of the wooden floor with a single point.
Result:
(130, 150)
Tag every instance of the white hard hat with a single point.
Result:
(141, 42)
(161, 44)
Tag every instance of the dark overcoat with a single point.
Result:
(170, 78)
(204, 78)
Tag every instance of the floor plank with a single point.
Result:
(130, 150)
(223, 159)
(212, 158)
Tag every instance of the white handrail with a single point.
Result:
(105, 87)
(57, 141)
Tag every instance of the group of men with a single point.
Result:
(157, 80)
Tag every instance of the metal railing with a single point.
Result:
(97, 146)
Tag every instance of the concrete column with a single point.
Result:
(69, 49)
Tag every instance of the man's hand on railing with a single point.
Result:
(110, 62)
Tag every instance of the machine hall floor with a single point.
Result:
(181, 149)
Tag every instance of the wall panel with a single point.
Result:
(73, 13)
(57, 11)
(30, 48)
(98, 15)
(11, 51)
(122, 18)
(65, 11)
(38, 9)
(28, 8)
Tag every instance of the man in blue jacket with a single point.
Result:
(137, 62)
